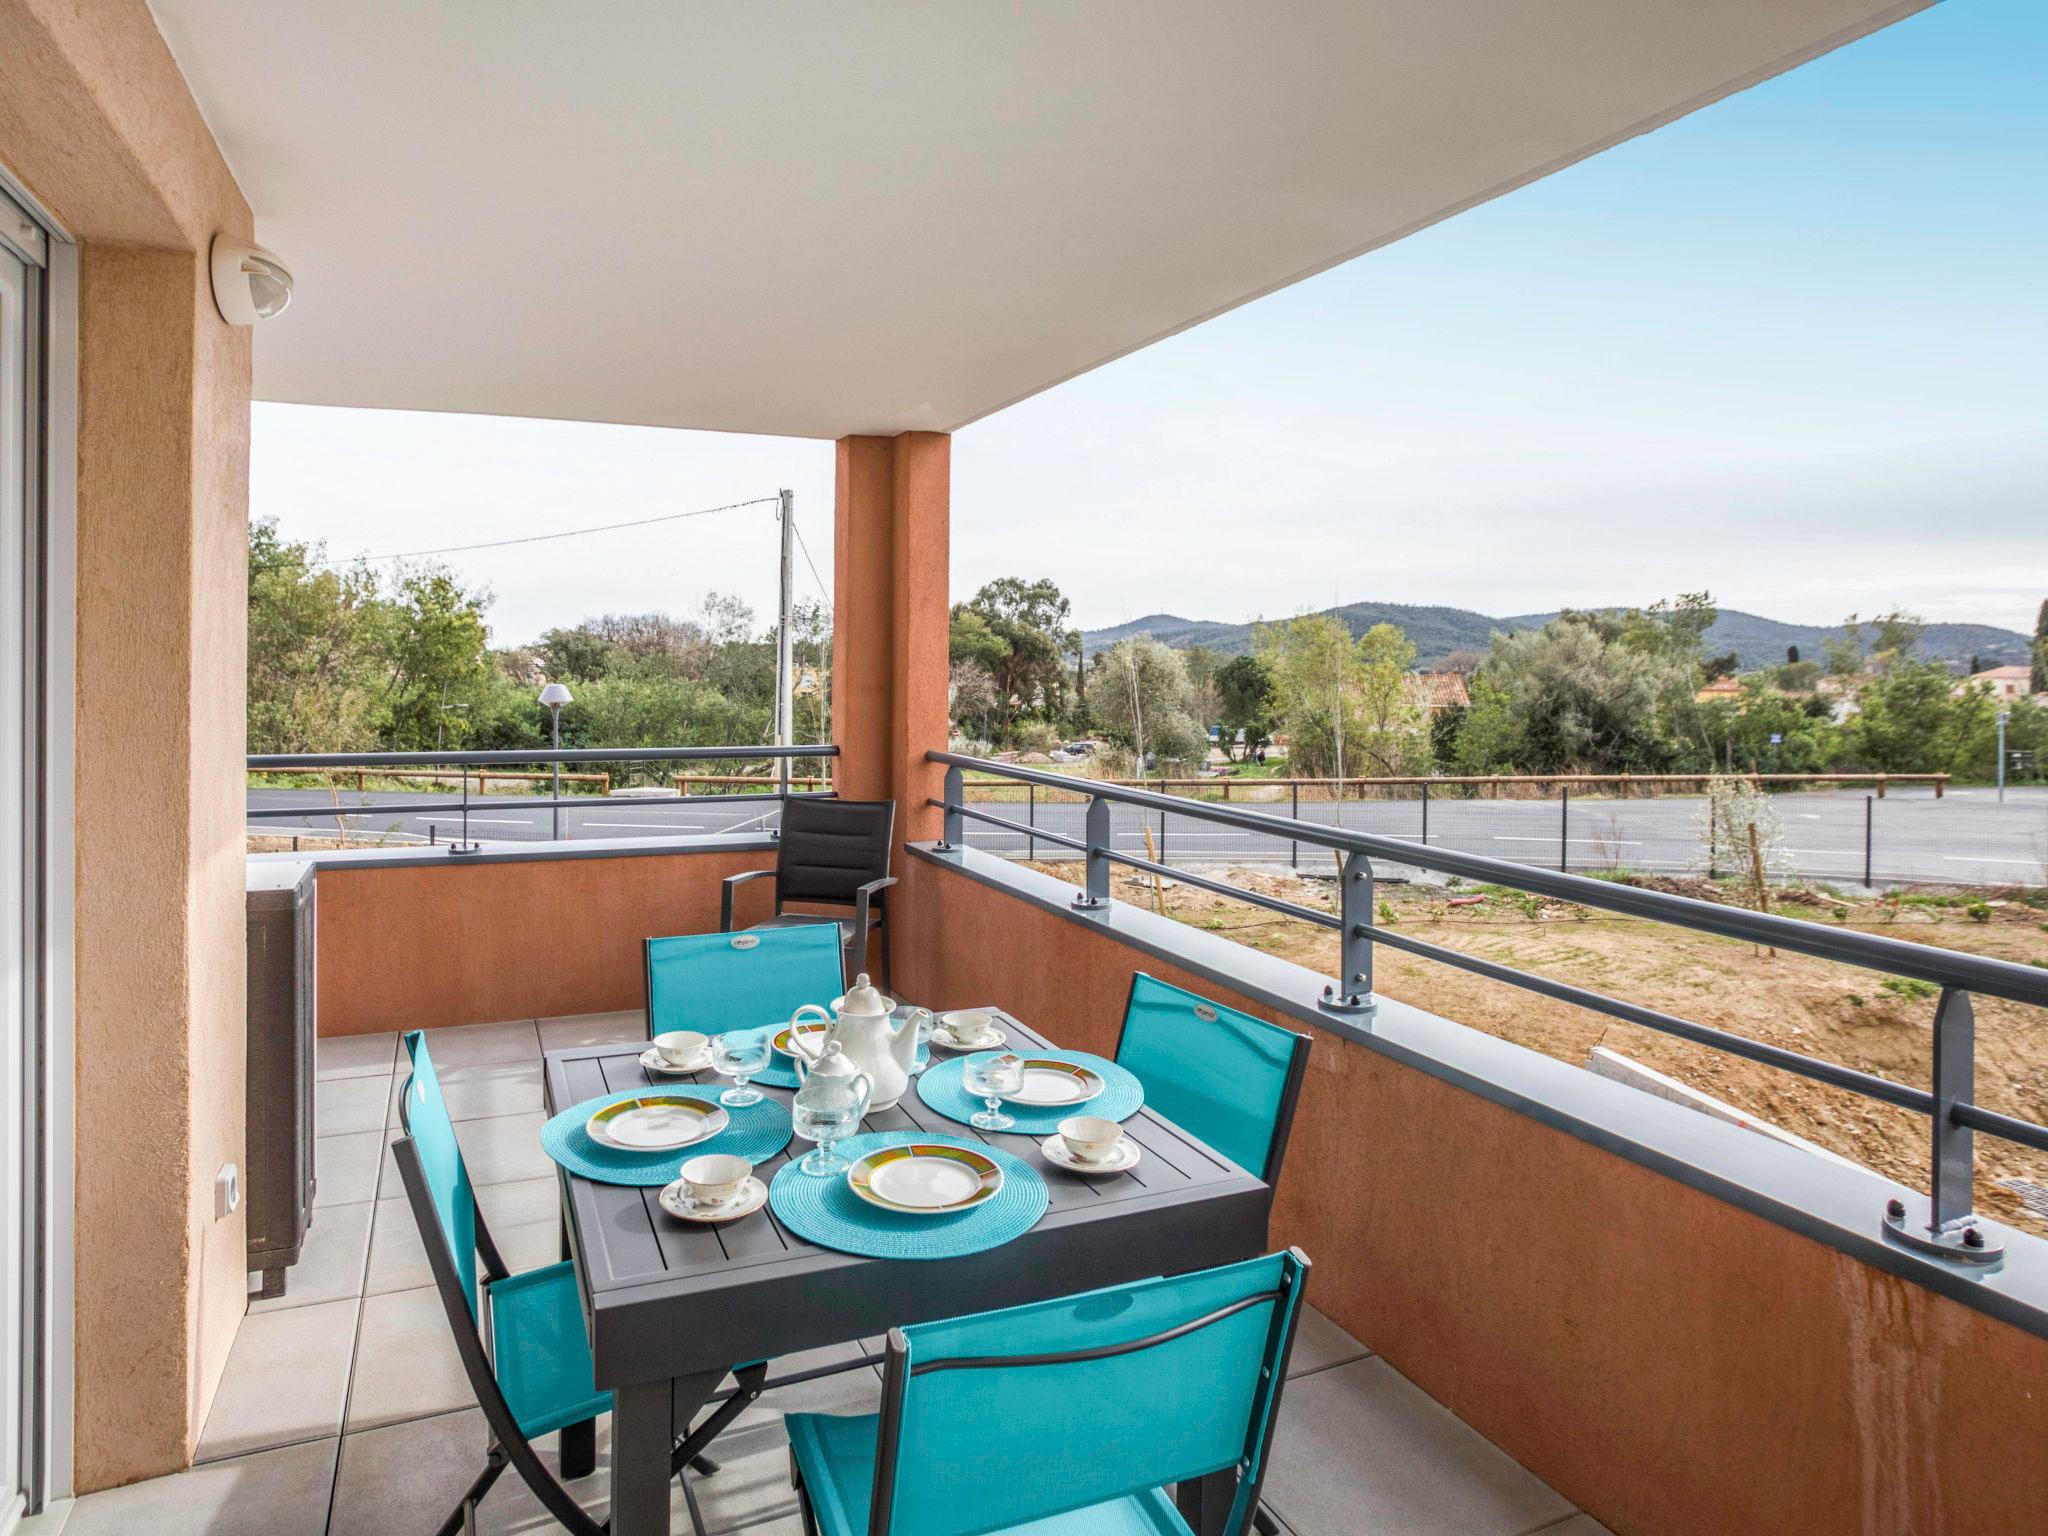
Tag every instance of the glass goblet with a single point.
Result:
(739, 1055)
(824, 1126)
(993, 1079)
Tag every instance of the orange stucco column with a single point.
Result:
(889, 617)
(97, 122)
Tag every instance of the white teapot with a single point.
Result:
(866, 1029)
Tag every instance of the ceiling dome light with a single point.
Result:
(249, 283)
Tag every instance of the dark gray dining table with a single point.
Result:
(671, 1306)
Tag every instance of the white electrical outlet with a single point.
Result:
(227, 1191)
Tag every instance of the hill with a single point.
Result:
(1437, 632)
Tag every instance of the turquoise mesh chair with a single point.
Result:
(712, 982)
(978, 1433)
(1220, 1074)
(521, 1337)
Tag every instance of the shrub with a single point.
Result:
(1979, 912)
(1034, 736)
(1909, 987)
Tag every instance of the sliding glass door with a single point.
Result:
(22, 248)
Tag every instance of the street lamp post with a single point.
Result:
(555, 696)
(2003, 716)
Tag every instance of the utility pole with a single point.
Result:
(2003, 716)
(785, 670)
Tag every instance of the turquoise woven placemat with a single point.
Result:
(779, 1073)
(756, 1132)
(1122, 1094)
(827, 1212)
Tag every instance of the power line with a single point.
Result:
(568, 533)
(797, 529)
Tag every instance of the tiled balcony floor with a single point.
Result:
(344, 1411)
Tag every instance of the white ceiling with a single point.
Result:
(813, 218)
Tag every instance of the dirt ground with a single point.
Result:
(307, 843)
(1860, 1019)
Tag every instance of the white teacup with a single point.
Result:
(968, 1025)
(679, 1047)
(714, 1178)
(1090, 1138)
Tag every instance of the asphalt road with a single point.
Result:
(1964, 838)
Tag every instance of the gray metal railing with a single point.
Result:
(463, 762)
(1947, 1225)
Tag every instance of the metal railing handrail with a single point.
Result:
(1465, 780)
(1979, 973)
(269, 762)
(262, 762)
(1950, 1229)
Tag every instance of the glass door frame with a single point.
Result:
(40, 1419)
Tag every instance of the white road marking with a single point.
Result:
(1610, 842)
(666, 826)
(1960, 858)
(456, 821)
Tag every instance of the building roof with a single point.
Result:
(877, 215)
(2003, 674)
(1437, 690)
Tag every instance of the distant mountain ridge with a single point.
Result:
(1438, 632)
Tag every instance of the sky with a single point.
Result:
(1792, 349)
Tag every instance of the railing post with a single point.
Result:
(953, 830)
(1031, 820)
(1095, 896)
(1425, 815)
(1564, 829)
(464, 846)
(1951, 1228)
(1869, 817)
(1294, 814)
(1352, 995)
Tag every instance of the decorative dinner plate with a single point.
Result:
(1122, 1160)
(925, 1178)
(1052, 1084)
(753, 1194)
(656, 1122)
(810, 1029)
(654, 1061)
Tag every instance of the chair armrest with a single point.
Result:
(725, 895)
(862, 897)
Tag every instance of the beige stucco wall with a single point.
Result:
(96, 121)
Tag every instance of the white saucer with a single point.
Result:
(1122, 1160)
(988, 1041)
(652, 1060)
(752, 1196)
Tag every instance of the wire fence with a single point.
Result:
(464, 800)
(1965, 837)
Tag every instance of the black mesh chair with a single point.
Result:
(835, 853)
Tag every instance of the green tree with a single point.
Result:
(1018, 630)
(433, 646)
(2038, 683)
(1244, 701)
(1393, 736)
(1139, 694)
(309, 673)
(1345, 702)
(1588, 693)
(578, 653)
(971, 696)
(1912, 719)
(1202, 665)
